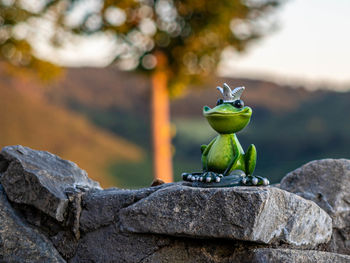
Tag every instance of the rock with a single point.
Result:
(101, 207)
(194, 254)
(157, 182)
(107, 244)
(40, 179)
(266, 255)
(57, 211)
(265, 215)
(19, 242)
(65, 243)
(327, 183)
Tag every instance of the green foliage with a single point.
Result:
(190, 33)
(119, 121)
(129, 175)
(17, 20)
(32, 121)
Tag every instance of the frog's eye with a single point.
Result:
(219, 102)
(238, 104)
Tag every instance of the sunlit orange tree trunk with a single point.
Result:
(162, 156)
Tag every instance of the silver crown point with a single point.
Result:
(230, 95)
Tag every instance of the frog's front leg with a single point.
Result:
(205, 176)
(205, 151)
(235, 156)
(210, 176)
(250, 163)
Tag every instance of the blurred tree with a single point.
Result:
(178, 42)
(15, 46)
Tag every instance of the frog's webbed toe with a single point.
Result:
(212, 177)
(251, 180)
(191, 177)
(236, 178)
(207, 177)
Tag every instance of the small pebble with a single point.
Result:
(157, 182)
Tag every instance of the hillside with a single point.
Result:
(258, 94)
(290, 125)
(110, 88)
(31, 121)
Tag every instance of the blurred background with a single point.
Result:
(118, 86)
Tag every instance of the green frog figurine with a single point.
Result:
(223, 160)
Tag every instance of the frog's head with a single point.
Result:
(230, 115)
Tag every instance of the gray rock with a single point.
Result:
(326, 182)
(19, 242)
(101, 207)
(193, 254)
(107, 244)
(260, 214)
(70, 216)
(40, 179)
(267, 255)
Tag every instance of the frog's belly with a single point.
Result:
(220, 155)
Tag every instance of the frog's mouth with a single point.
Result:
(246, 111)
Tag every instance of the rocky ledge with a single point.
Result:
(50, 211)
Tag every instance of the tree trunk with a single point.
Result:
(162, 156)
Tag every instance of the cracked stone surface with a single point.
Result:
(40, 179)
(101, 207)
(265, 215)
(207, 254)
(266, 255)
(327, 183)
(108, 244)
(19, 242)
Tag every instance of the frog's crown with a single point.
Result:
(230, 95)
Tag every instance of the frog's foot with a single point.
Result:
(191, 177)
(202, 177)
(255, 180)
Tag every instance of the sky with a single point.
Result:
(311, 46)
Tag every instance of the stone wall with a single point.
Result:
(50, 211)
